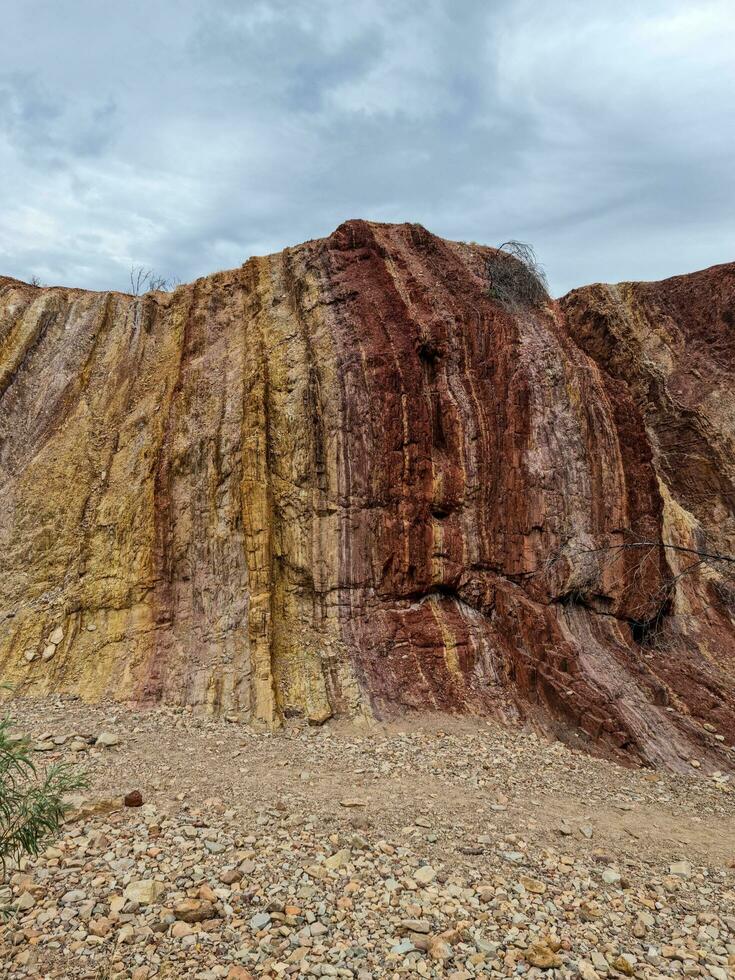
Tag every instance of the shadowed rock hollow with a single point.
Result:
(344, 479)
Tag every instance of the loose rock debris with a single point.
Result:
(432, 849)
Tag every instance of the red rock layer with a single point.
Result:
(345, 478)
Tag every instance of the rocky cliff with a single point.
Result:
(347, 479)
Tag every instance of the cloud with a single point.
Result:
(189, 135)
(46, 131)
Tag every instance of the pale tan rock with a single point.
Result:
(425, 874)
(540, 955)
(682, 869)
(532, 885)
(25, 902)
(337, 860)
(415, 925)
(144, 891)
(107, 740)
(587, 971)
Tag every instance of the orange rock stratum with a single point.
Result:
(346, 480)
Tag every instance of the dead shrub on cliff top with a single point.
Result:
(144, 280)
(515, 276)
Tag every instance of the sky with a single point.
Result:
(187, 135)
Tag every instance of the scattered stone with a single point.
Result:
(439, 949)
(415, 925)
(515, 857)
(217, 876)
(624, 964)
(100, 927)
(194, 910)
(718, 972)
(107, 740)
(260, 921)
(425, 874)
(230, 875)
(73, 897)
(144, 892)
(682, 869)
(25, 902)
(587, 971)
(532, 885)
(540, 955)
(135, 798)
(338, 860)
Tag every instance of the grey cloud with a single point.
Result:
(280, 58)
(45, 128)
(222, 129)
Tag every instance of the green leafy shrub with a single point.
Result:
(32, 806)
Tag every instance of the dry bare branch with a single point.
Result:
(515, 275)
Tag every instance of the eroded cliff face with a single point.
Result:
(344, 479)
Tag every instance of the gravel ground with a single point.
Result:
(439, 848)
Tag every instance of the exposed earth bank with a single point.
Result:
(356, 478)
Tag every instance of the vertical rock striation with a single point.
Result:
(344, 479)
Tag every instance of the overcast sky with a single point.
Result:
(187, 135)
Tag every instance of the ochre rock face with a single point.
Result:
(343, 479)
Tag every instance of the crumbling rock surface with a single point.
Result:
(344, 479)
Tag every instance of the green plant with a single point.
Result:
(32, 805)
